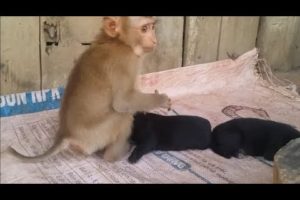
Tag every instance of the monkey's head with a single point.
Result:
(136, 32)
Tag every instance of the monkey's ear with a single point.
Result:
(111, 26)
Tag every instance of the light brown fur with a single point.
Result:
(100, 96)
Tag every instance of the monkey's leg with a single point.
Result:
(120, 146)
(82, 147)
(116, 150)
(96, 136)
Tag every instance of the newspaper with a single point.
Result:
(218, 91)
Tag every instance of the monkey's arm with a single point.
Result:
(126, 98)
(133, 101)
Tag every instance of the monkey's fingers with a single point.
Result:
(156, 91)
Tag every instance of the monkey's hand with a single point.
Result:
(163, 100)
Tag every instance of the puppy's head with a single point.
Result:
(225, 143)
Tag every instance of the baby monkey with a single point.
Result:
(101, 96)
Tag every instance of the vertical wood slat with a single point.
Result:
(279, 42)
(296, 47)
(20, 65)
(201, 40)
(238, 35)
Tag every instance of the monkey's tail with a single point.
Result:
(58, 145)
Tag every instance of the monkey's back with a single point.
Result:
(88, 92)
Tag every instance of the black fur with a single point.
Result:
(256, 137)
(168, 133)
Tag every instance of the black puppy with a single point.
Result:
(168, 133)
(256, 137)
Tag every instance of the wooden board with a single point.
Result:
(20, 64)
(296, 45)
(201, 40)
(208, 39)
(238, 35)
(279, 42)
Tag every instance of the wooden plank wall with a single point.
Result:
(209, 39)
(279, 42)
(29, 61)
(20, 60)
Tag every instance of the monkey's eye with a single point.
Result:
(144, 29)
